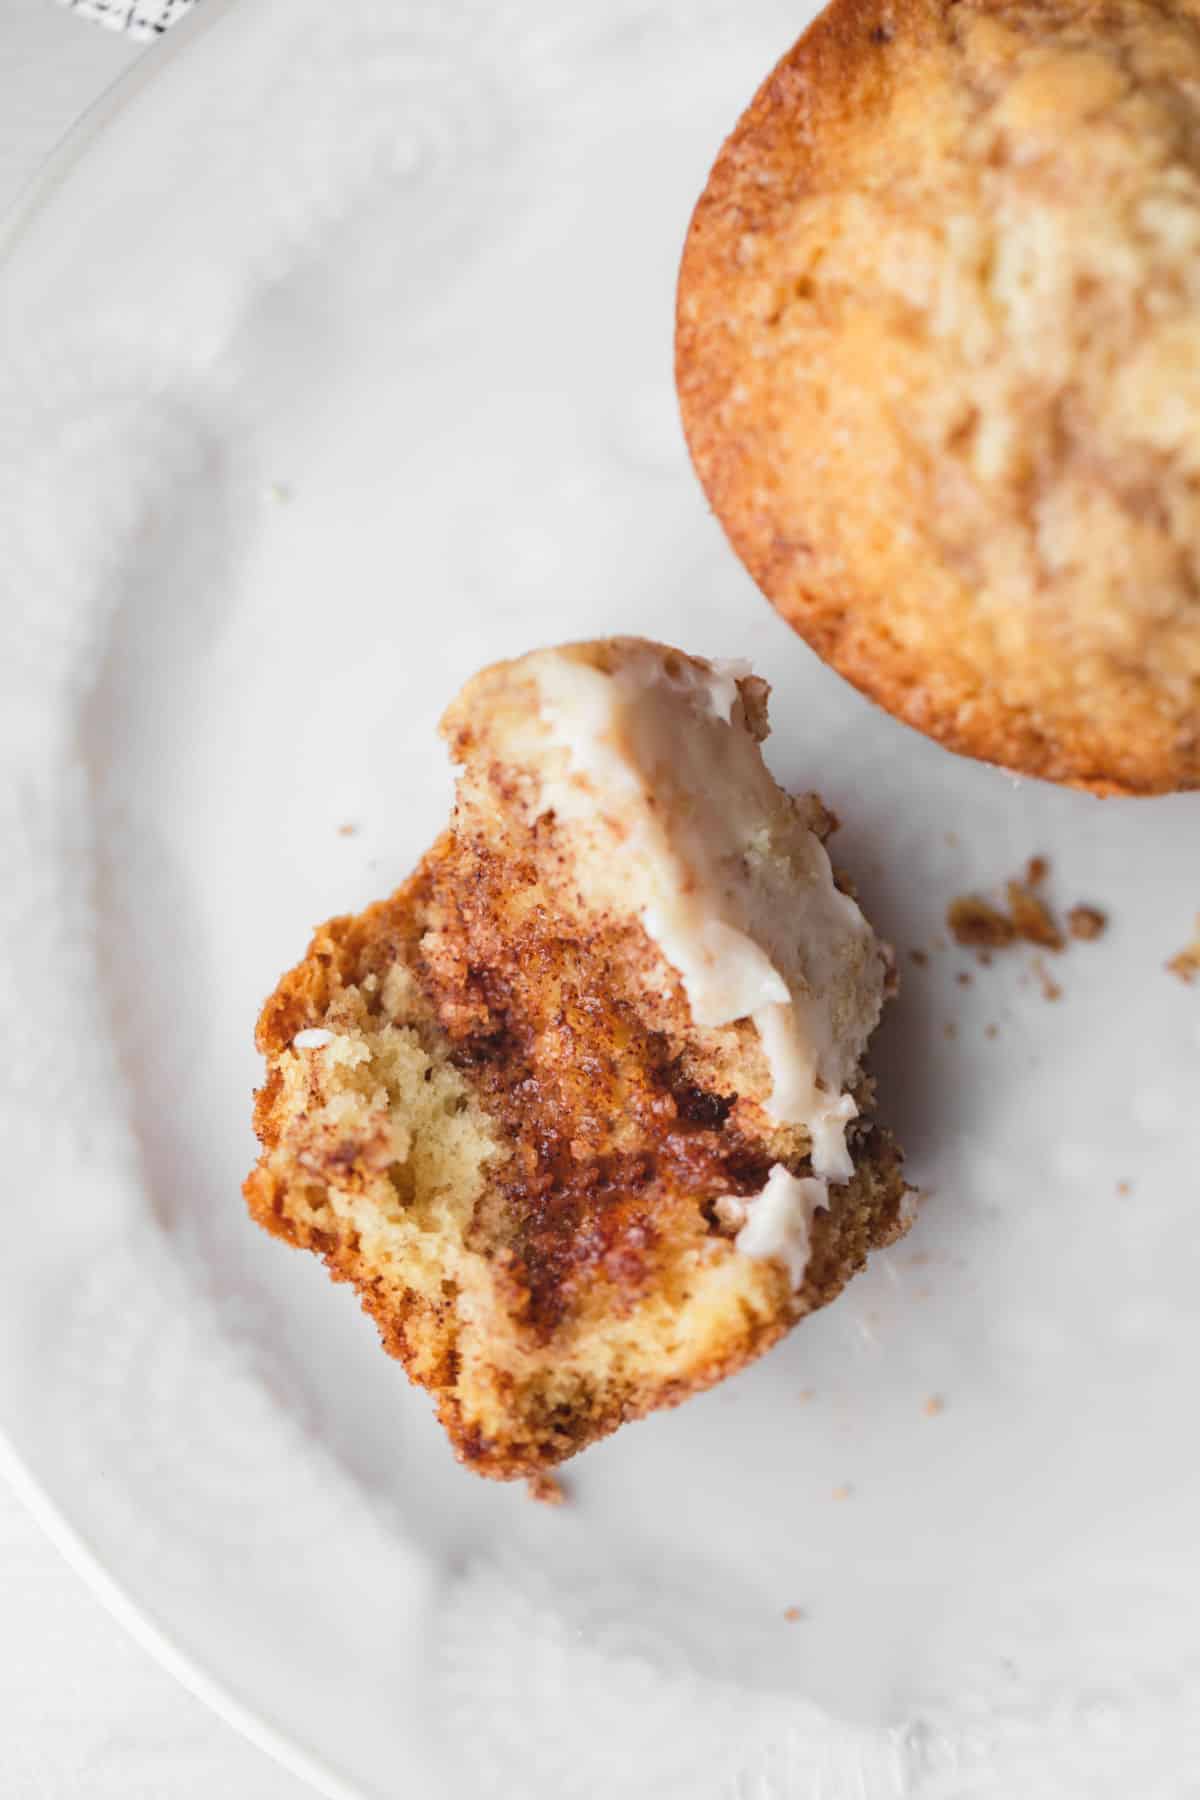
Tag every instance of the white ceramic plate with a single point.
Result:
(335, 360)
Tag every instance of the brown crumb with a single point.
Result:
(793, 1613)
(978, 925)
(805, 1395)
(919, 957)
(1032, 919)
(1124, 1188)
(950, 1029)
(1186, 964)
(843, 1492)
(933, 1406)
(347, 830)
(991, 1031)
(1050, 987)
(547, 1490)
(963, 978)
(1087, 922)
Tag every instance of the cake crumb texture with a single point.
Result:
(514, 1139)
(547, 1490)
(1087, 923)
(976, 924)
(1185, 964)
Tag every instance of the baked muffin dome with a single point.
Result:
(938, 357)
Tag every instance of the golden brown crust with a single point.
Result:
(937, 334)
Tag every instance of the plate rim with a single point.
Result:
(40, 188)
(56, 165)
(116, 1600)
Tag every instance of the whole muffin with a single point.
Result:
(938, 357)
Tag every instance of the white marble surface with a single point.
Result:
(85, 1711)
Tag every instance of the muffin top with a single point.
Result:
(938, 356)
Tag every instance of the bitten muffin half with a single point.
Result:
(580, 1109)
(938, 357)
